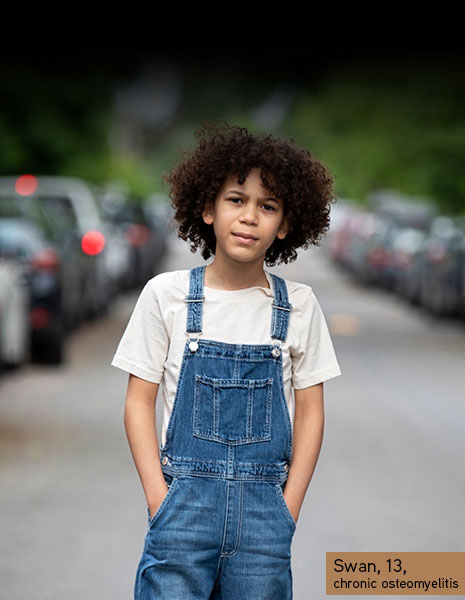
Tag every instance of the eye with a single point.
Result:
(273, 208)
(233, 199)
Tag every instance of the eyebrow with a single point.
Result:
(269, 198)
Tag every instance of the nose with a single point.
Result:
(248, 214)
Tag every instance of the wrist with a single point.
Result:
(156, 494)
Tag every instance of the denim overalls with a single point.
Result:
(223, 529)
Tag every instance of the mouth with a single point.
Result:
(246, 238)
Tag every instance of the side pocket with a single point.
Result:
(282, 501)
(161, 508)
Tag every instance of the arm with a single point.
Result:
(307, 439)
(139, 422)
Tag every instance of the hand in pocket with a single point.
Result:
(291, 509)
(154, 507)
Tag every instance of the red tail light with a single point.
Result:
(93, 242)
(39, 318)
(138, 235)
(46, 260)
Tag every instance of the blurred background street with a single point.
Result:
(85, 222)
(390, 475)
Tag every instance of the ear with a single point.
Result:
(207, 214)
(283, 230)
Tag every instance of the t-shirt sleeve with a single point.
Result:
(143, 347)
(314, 361)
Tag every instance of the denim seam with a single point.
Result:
(239, 524)
(173, 411)
(225, 524)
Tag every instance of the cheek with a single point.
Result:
(219, 228)
(223, 220)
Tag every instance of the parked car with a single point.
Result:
(159, 213)
(354, 241)
(403, 244)
(442, 267)
(398, 212)
(119, 252)
(408, 249)
(48, 282)
(67, 210)
(377, 266)
(337, 235)
(133, 220)
(14, 311)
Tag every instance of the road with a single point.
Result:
(390, 475)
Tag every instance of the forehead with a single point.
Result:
(252, 181)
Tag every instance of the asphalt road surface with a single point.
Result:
(390, 475)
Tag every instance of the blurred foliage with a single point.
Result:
(376, 126)
(375, 123)
(49, 116)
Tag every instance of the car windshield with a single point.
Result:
(19, 236)
(54, 214)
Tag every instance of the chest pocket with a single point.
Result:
(232, 411)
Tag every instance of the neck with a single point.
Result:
(230, 278)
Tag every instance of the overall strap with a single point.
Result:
(195, 299)
(281, 309)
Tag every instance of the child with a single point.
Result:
(225, 486)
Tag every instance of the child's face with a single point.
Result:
(246, 208)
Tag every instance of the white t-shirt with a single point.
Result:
(152, 346)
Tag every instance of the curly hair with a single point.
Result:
(288, 171)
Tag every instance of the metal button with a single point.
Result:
(286, 468)
(276, 352)
(164, 460)
(193, 346)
